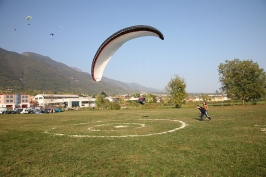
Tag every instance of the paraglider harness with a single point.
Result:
(142, 100)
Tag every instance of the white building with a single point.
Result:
(132, 99)
(219, 97)
(112, 99)
(68, 101)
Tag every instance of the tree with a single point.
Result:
(99, 101)
(177, 89)
(33, 103)
(205, 97)
(150, 98)
(103, 94)
(242, 80)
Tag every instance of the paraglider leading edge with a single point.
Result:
(122, 32)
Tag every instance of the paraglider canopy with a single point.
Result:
(114, 42)
(28, 17)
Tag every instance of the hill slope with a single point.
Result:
(36, 72)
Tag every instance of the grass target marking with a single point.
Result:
(120, 126)
(116, 127)
(261, 129)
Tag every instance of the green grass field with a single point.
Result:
(135, 143)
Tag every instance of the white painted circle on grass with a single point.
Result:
(118, 126)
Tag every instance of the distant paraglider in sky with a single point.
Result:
(52, 34)
(114, 42)
(61, 27)
(28, 18)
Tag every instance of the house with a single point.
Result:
(15, 101)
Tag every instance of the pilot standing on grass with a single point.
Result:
(205, 106)
(203, 113)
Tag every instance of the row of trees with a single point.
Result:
(240, 80)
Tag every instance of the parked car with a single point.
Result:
(58, 110)
(47, 111)
(9, 112)
(31, 111)
(18, 111)
(5, 112)
(2, 109)
(38, 112)
(25, 111)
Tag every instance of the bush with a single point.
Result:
(111, 105)
(114, 106)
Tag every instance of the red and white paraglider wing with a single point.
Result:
(114, 42)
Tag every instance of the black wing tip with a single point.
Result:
(160, 34)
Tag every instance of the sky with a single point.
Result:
(199, 36)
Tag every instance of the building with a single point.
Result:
(219, 97)
(112, 99)
(68, 101)
(212, 98)
(12, 101)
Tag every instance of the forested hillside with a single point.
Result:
(31, 71)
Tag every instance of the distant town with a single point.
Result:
(41, 101)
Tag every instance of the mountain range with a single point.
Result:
(31, 71)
